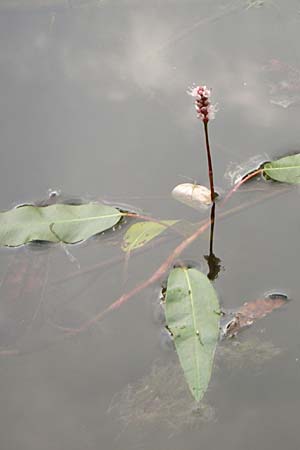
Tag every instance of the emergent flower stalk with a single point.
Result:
(205, 112)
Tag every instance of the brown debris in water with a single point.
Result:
(249, 312)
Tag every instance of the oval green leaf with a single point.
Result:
(193, 318)
(141, 233)
(285, 170)
(55, 223)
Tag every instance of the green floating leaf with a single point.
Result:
(193, 317)
(141, 233)
(55, 223)
(286, 170)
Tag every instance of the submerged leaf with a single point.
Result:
(21, 291)
(193, 316)
(160, 398)
(285, 170)
(141, 233)
(55, 223)
(193, 195)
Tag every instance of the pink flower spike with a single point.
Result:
(205, 110)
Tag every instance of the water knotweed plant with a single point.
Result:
(205, 112)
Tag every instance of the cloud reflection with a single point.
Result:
(147, 56)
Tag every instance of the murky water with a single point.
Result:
(93, 102)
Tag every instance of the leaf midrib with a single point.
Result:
(79, 219)
(191, 296)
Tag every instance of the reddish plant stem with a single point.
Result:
(157, 275)
(110, 262)
(239, 184)
(209, 161)
(153, 278)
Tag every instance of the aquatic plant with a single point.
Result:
(191, 304)
(205, 112)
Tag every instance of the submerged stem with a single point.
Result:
(212, 226)
(240, 183)
(158, 273)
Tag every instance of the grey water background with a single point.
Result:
(93, 103)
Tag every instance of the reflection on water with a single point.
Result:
(284, 83)
(21, 5)
(93, 102)
(235, 172)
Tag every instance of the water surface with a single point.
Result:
(93, 102)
